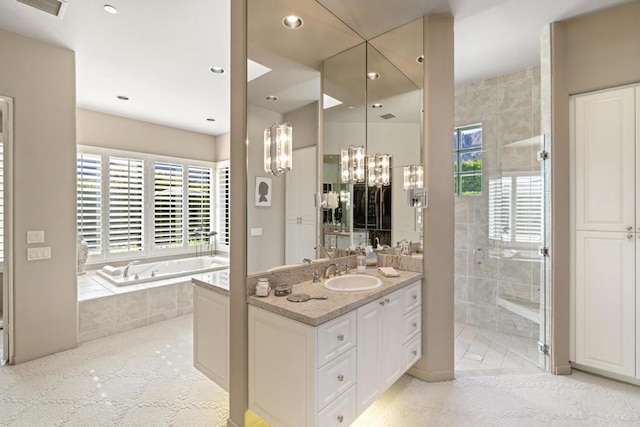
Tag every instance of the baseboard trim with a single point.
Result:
(431, 377)
(562, 370)
(230, 423)
(21, 359)
(605, 374)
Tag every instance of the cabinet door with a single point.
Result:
(392, 339)
(604, 138)
(211, 335)
(605, 301)
(306, 158)
(369, 356)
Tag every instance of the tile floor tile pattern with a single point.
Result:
(480, 351)
(145, 377)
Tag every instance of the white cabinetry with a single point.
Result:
(301, 375)
(606, 231)
(300, 227)
(211, 335)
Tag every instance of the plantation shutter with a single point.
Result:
(528, 209)
(1, 199)
(199, 191)
(223, 205)
(126, 205)
(500, 208)
(168, 205)
(89, 200)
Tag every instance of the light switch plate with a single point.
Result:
(35, 254)
(35, 236)
(256, 232)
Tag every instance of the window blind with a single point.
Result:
(126, 205)
(168, 205)
(500, 208)
(223, 213)
(1, 199)
(528, 209)
(199, 191)
(89, 200)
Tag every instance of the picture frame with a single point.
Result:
(263, 191)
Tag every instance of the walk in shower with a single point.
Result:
(501, 185)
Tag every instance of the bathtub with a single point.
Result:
(165, 270)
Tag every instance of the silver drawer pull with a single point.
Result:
(340, 377)
(340, 337)
(414, 296)
(381, 302)
(414, 324)
(415, 352)
(629, 236)
(387, 300)
(629, 228)
(340, 418)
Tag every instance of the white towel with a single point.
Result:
(111, 271)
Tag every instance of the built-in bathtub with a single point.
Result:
(147, 272)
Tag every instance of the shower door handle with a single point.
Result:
(478, 255)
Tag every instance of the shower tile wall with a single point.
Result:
(508, 107)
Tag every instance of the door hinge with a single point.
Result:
(543, 251)
(543, 348)
(543, 155)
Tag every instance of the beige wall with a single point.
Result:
(591, 52)
(41, 79)
(109, 131)
(223, 147)
(304, 122)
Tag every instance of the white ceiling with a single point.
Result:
(158, 52)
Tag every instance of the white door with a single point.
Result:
(211, 330)
(392, 339)
(604, 132)
(605, 301)
(369, 354)
(300, 227)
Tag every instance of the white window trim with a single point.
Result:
(149, 250)
(219, 165)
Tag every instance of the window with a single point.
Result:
(1, 198)
(467, 160)
(223, 205)
(132, 205)
(516, 209)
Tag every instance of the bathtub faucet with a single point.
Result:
(126, 269)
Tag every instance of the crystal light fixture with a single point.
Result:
(413, 176)
(378, 170)
(352, 164)
(278, 148)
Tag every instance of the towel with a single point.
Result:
(111, 271)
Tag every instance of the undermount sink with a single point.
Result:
(352, 283)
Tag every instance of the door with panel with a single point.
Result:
(392, 339)
(605, 332)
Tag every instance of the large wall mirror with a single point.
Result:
(289, 69)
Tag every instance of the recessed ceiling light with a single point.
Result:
(373, 76)
(111, 9)
(271, 98)
(420, 59)
(123, 98)
(211, 120)
(377, 106)
(216, 70)
(292, 22)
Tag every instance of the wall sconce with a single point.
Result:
(278, 148)
(352, 164)
(413, 176)
(378, 170)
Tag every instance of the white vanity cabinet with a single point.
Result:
(300, 375)
(211, 335)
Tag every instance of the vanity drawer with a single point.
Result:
(336, 377)
(411, 324)
(412, 351)
(340, 412)
(412, 296)
(336, 337)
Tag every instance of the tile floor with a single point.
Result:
(480, 351)
(145, 377)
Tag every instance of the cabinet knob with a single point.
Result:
(414, 296)
(340, 337)
(340, 418)
(387, 300)
(414, 324)
(340, 377)
(629, 236)
(381, 302)
(629, 228)
(415, 352)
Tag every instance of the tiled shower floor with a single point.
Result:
(480, 351)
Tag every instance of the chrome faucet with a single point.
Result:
(336, 270)
(306, 260)
(126, 269)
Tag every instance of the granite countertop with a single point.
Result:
(317, 312)
(216, 281)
